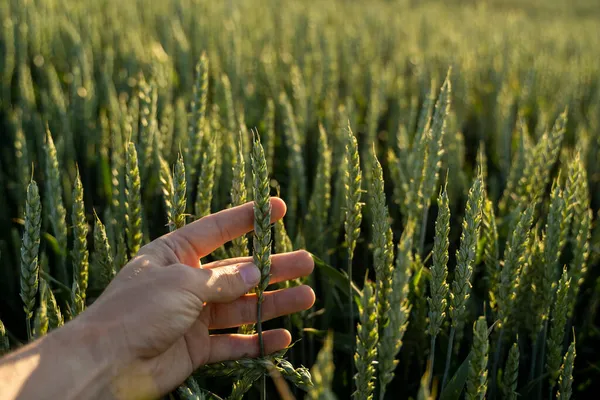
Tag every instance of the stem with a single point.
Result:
(423, 229)
(448, 356)
(550, 390)
(51, 279)
(496, 361)
(261, 344)
(533, 366)
(29, 335)
(381, 391)
(351, 305)
(431, 360)
(263, 387)
(542, 359)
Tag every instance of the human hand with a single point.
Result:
(150, 328)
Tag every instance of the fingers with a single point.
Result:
(283, 266)
(233, 346)
(275, 304)
(217, 285)
(200, 238)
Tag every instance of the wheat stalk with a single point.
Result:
(514, 259)
(269, 134)
(57, 213)
(133, 202)
(320, 200)
(102, 252)
(178, 203)
(80, 254)
(238, 197)
(383, 259)
(565, 381)
(435, 151)
(296, 164)
(322, 372)
(580, 216)
(353, 178)
(206, 181)
(55, 317)
(554, 240)
(4, 343)
(438, 286)
(197, 118)
(30, 247)
(148, 97)
(465, 257)
(477, 378)
(40, 324)
(490, 249)
(557, 328)
(400, 308)
(510, 375)
(366, 343)
(261, 243)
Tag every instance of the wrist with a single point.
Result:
(87, 359)
(99, 367)
(64, 364)
(75, 360)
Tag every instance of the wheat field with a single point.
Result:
(439, 160)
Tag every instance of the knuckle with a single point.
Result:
(188, 278)
(163, 249)
(248, 311)
(222, 229)
(230, 278)
(271, 308)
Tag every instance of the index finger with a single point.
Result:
(202, 237)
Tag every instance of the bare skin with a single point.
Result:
(151, 328)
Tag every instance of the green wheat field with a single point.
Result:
(440, 160)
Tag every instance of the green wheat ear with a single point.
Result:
(238, 197)
(477, 378)
(366, 343)
(465, 256)
(41, 322)
(80, 254)
(166, 184)
(392, 334)
(55, 317)
(439, 268)
(57, 213)
(30, 247)
(4, 343)
(206, 181)
(320, 200)
(565, 382)
(261, 243)
(322, 372)
(557, 327)
(510, 375)
(490, 249)
(383, 263)
(354, 193)
(197, 119)
(102, 252)
(514, 258)
(178, 196)
(269, 134)
(133, 202)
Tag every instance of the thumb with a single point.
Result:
(221, 284)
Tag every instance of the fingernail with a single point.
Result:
(250, 274)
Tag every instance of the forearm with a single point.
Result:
(63, 364)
